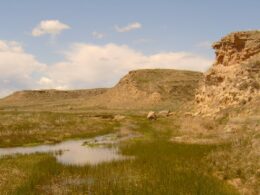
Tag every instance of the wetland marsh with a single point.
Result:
(156, 166)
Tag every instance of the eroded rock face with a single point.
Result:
(234, 78)
(237, 47)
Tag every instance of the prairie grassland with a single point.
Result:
(22, 128)
(239, 163)
(159, 166)
(29, 128)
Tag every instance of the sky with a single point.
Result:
(65, 44)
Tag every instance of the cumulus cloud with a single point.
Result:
(45, 81)
(129, 27)
(84, 66)
(98, 35)
(87, 65)
(17, 68)
(15, 62)
(52, 27)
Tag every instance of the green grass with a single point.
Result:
(159, 167)
(239, 160)
(32, 128)
(27, 128)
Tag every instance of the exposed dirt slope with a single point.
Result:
(159, 88)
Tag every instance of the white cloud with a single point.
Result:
(52, 27)
(45, 81)
(15, 62)
(88, 65)
(17, 68)
(98, 35)
(129, 27)
(84, 66)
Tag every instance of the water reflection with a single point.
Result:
(74, 152)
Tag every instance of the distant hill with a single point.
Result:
(48, 99)
(139, 89)
(152, 88)
(30, 96)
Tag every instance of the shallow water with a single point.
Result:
(75, 152)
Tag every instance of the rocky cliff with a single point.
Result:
(234, 78)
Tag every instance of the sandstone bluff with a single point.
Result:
(234, 78)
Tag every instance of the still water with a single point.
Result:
(75, 152)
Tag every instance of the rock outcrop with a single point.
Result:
(237, 47)
(234, 78)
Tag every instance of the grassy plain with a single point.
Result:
(159, 167)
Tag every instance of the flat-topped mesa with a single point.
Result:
(234, 78)
(150, 88)
(29, 96)
(147, 89)
(237, 47)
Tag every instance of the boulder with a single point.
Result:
(151, 115)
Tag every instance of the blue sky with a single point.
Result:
(171, 31)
